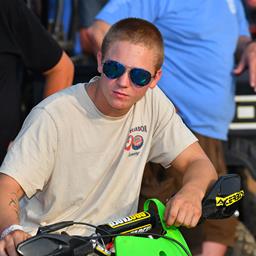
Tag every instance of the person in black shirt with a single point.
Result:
(25, 44)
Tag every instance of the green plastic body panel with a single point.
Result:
(143, 246)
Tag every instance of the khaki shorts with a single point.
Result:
(161, 183)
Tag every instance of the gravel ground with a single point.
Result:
(245, 243)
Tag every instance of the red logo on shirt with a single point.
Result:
(135, 141)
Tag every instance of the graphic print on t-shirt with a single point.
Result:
(135, 140)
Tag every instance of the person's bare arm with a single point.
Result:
(10, 194)
(60, 76)
(96, 33)
(246, 54)
(198, 174)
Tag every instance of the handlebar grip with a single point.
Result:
(138, 223)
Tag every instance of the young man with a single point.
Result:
(81, 153)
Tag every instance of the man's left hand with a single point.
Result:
(248, 59)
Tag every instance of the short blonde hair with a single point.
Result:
(136, 31)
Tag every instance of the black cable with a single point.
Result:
(92, 226)
(143, 234)
(108, 235)
(175, 241)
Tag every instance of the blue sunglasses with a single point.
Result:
(113, 69)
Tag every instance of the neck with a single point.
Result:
(91, 90)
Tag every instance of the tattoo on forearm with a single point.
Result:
(14, 204)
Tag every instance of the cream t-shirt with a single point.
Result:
(74, 163)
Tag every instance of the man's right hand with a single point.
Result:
(9, 243)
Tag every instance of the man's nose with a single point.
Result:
(124, 79)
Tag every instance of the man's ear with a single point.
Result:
(155, 79)
(99, 62)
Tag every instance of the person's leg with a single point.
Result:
(160, 183)
(157, 183)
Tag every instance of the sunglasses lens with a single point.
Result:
(140, 77)
(113, 69)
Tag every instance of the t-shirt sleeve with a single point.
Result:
(150, 10)
(243, 23)
(31, 157)
(171, 135)
(38, 50)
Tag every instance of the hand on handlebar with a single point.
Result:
(184, 208)
(9, 243)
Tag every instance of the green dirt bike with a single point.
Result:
(131, 235)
